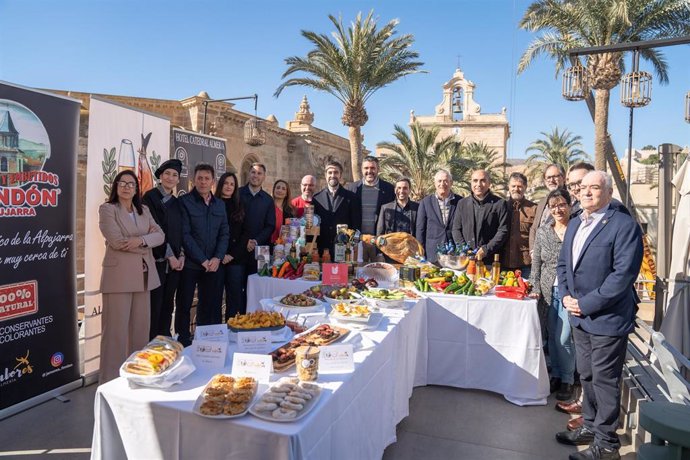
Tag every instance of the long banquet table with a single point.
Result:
(446, 340)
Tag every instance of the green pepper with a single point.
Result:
(471, 291)
(450, 287)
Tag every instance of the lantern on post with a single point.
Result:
(253, 132)
(574, 83)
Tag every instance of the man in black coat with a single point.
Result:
(260, 220)
(481, 220)
(334, 205)
(399, 215)
(169, 256)
(372, 192)
(435, 215)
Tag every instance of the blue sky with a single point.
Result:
(173, 49)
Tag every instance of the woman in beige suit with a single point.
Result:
(129, 273)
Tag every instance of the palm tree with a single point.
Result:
(557, 147)
(567, 24)
(478, 155)
(352, 66)
(418, 156)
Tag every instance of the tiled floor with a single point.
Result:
(444, 423)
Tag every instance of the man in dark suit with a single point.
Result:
(599, 262)
(481, 220)
(334, 205)
(372, 192)
(435, 215)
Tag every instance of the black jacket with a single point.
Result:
(491, 231)
(239, 236)
(169, 216)
(386, 195)
(430, 229)
(205, 231)
(389, 220)
(345, 209)
(260, 215)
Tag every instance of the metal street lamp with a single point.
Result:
(253, 130)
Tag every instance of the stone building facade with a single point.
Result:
(288, 153)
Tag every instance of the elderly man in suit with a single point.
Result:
(597, 267)
(481, 220)
(554, 177)
(334, 205)
(435, 215)
(372, 192)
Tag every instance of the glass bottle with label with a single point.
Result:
(496, 269)
(326, 257)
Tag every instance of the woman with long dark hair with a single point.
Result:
(235, 260)
(284, 210)
(129, 273)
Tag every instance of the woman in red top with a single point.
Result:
(281, 198)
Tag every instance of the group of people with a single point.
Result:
(578, 245)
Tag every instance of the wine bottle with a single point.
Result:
(496, 270)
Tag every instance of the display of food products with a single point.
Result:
(342, 309)
(297, 300)
(450, 283)
(341, 293)
(226, 396)
(157, 356)
(287, 400)
(257, 320)
(311, 272)
(324, 334)
(384, 294)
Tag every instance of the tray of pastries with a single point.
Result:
(158, 357)
(286, 401)
(323, 334)
(226, 397)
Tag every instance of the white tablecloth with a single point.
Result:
(487, 343)
(355, 418)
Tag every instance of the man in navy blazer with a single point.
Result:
(598, 265)
(435, 215)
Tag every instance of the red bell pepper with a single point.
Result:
(510, 295)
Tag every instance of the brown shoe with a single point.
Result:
(575, 423)
(572, 407)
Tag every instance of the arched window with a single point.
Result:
(3, 165)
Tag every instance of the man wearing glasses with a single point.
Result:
(574, 179)
(554, 177)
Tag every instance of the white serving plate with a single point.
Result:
(372, 322)
(281, 335)
(294, 308)
(308, 406)
(199, 400)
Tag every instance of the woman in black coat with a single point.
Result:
(234, 262)
(165, 209)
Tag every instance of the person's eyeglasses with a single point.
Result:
(123, 184)
(574, 185)
(558, 206)
(591, 187)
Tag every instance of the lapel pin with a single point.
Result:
(604, 222)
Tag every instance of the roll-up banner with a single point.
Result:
(192, 148)
(120, 137)
(39, 355)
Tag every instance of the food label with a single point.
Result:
(336, 359)
(209, 353)
(254, 342)
(334, 274)
(213, 332)
(251, 365)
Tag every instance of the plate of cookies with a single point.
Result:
(226, 397)
(286, 401)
